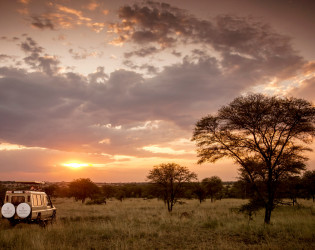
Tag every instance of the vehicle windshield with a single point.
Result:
(16, 200)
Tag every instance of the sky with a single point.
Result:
(106, 89)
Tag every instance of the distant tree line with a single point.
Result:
(211, 188)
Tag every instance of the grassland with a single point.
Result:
(146, 224)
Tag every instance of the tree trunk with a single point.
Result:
(270, 190)
(268, 214)
(169, 206)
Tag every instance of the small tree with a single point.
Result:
(82, 188)
(200, 192)
(265, 136)
(170, 179)
(308, 181)
(213, 186)
(108, 191)
(51, 190)
(3, 190)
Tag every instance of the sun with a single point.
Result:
(76, 165)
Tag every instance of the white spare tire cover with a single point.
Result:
(23, 210)
(8, 210)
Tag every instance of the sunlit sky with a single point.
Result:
(106, 89)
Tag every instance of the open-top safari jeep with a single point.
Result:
(28, 206)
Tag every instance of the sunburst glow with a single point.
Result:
(76, 165)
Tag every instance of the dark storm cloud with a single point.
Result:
(42, 23)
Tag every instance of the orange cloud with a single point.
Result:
(73, 12)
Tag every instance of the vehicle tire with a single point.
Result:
(8, 210)
(42, 223)
(53, 217)
(13, 222)
(23, 210)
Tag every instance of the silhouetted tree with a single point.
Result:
(3, 190)
(240, 189)
(264, 135)
(51, 190)
(291, 188)
(108, 191)
(200, 192)
(308, 182)
(213, 186)
(170, 178)
(82, 188)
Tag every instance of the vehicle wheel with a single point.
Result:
(53, 217)
(13, 223)
(39, 221)
(8, 210)
(23, 210)
(42, 223)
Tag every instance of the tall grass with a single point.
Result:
(146, 224)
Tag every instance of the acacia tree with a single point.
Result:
(200, 192)
(82, 188)
(308, 181)
(3, 190)
(213, 186)
(265, 136)
(171, 179)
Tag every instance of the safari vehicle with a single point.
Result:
(29, 206)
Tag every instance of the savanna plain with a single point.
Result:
(146, 224)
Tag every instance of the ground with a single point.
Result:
(146, 224)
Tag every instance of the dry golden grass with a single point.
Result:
(146, 224)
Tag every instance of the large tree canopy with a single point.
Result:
(265, 136)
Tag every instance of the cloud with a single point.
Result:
(42, 23)
(51, 111)
(142, 52)
(84, 53)
(305, 90)
(99, 76)
(152, 22)
(163, 25)
(111, 113)
(4, 57)
(37, 60)
(61, 16)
